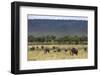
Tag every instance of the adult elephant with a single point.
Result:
(74, 51)
(46, 50)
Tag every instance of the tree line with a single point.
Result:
(62, 40)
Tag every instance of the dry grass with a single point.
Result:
(40, 55)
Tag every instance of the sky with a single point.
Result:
(58, 26)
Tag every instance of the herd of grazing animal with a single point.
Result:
(46, 50)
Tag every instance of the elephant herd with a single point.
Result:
(46, 50)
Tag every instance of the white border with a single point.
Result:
(26, 65)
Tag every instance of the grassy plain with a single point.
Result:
(35, 55)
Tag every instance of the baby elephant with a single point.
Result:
(74, 51)
(32, 48)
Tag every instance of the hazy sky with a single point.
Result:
(57, 25)
(57, 17)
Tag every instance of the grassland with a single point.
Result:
(35, 55)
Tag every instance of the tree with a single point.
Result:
(83, 39)
(30, 38)
(76, 39)
(53, 37)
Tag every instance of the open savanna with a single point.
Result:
(34, 55)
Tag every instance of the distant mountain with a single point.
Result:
(59, 28)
